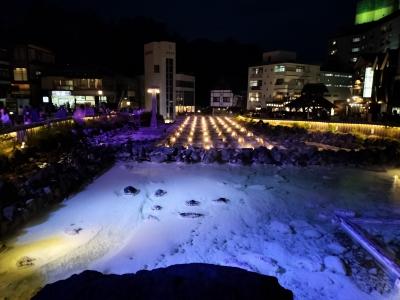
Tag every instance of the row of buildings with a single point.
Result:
(281, 78)
(29, 75)
(362, 68)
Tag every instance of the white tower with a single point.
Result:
(160, 72)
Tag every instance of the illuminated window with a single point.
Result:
(299, 69)
(278, 69)
(254, 97)
(253, 83)
(354, 59)
(20, 74)
(356, 39)
(355, 50)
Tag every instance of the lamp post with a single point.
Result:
(153, 91)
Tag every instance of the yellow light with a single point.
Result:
(153, 91)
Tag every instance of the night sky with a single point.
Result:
(295, 25)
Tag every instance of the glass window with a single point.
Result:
(20, 74)
(226, 99)
(278, 69)
(156, 68)
(299, 69)
(215, 99)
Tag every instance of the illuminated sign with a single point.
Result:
(374, 10)
(368, 82)
(61, 93)
(46, 99)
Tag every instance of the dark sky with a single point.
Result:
(294, 25)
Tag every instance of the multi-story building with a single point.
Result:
(279, 80)
(224, 99)
(376, 29)
(339, 85)
(28, 63)
(74, 86)
(185, 94)
(160, 72)
(5, 78)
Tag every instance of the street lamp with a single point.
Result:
(153, 91)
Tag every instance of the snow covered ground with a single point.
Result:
(275, 221)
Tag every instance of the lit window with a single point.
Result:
(355, 50)
(20, 74)
(254, 97)
(253, 83)
(356, 39)
(354, 59)
(278, 69)
(299, 69)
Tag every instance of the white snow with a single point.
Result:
(270, 225)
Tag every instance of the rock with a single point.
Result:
(160, 193)
(192, 203)
(130, 190)
(221, 200)
(191, 215)
(157, 207)
(25, 262)
(345, 213)
(211, 156)
(9, 212)
(276, 155)
(226, 155)
(280, 227)
(191, 281)
(336, 248)
(262, 156)
(312, 234)
(195, 156)
(335, 265)
(158, 157)
(373, 271)
(73, 231)
(245, 156)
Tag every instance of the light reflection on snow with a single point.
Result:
(276, 222)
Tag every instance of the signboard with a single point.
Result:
(61, 93)
(368, 82)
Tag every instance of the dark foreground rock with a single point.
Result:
(192, 281)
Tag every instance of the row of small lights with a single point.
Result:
(179, 131)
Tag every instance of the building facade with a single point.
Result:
(5, 78)
(224, 99)
(76, 90)
(377, 29)
(273, 84)
(185, 94)
(28, 64)
(338, 84)
(160, 72)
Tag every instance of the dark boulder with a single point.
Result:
(160, 193)
(262, 156)
(130, 190)
(191, 281)
(211, 156)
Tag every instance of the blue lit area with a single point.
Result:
(271, 221)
